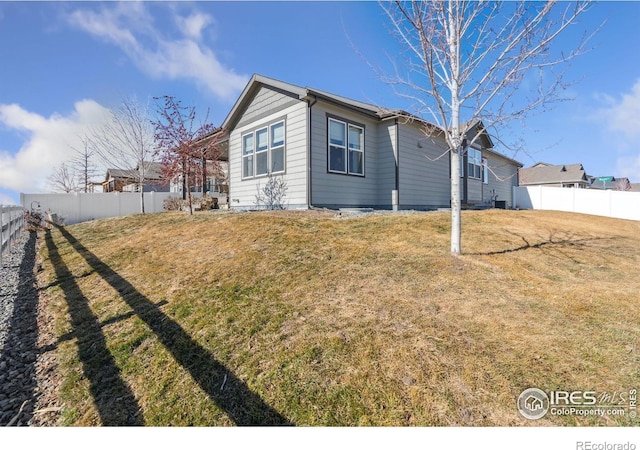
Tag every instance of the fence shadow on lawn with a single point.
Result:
(114, 399)
(243, 406)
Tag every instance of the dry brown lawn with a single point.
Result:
(300, 318)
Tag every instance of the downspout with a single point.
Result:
(309, 169)
(396, 205)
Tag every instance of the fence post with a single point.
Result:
(14, 223)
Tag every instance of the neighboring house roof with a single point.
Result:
(312, 94)
(610, 183)
(542, 173)
(153, 170)
(119, 173)
(221, 139)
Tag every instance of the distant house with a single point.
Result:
(336, 152)
(217, 180)
(126, 180)
(610, 183)
(216, 169)
(563, 175)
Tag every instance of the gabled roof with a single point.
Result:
(542, 173)
(311, 94)
(301, 93)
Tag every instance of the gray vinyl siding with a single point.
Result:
(338, 190)
(266, 102)
(424, 170)
(474, 191)
(242, 193)
(386, 163)
(506, 171)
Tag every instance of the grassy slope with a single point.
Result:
(223, 319)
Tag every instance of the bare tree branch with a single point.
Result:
(125, 142)
(469, 61)
(64, 179)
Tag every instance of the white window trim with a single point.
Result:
(268, 150)
(345, 148)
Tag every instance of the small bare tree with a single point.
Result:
(64, 179)
(126, 142)
(467, 60)
(272, 195)
(84, 164)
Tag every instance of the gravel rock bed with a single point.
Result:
(20, 340)
(355, 213)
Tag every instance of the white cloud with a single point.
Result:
(629, 166)
(50, 142)
(621, 118)
(193, 25)
(131, 27)
(624, 115)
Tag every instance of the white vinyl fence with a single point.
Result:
(11, 223)
(617, 204)
(80, 206)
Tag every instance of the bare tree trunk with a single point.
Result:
(453, 39)
(184, 179)
(190, 201)
(204, 173)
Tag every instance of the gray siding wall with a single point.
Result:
(474, 191)
(242, 193)
(337, 190)
(424, 169)
(502, 178)
(266, 102)
(386, 162)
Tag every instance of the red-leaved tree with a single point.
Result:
(189, 151)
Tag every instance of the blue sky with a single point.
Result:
(65, 64)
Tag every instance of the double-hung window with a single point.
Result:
(474, 163)
(263, 151)
(247, 155)
(346, 148)
(277, 147)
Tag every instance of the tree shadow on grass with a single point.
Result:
(226, 390)
(557, 243)
(113, 398)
